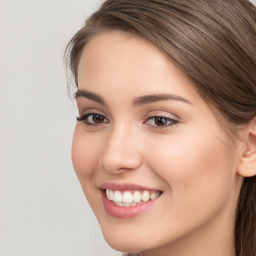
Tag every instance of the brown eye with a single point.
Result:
(93, 119)
(161, 121)
(98, 118)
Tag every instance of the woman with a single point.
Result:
(165, 143)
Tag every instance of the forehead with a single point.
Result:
(116, 49)
(121, 60)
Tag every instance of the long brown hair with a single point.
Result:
(214, 43)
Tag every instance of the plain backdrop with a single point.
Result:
(43, 211)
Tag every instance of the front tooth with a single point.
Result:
(127, 197)
(118, 197)
(136, 197)
(145, 196)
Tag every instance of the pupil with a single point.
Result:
(160, 121)
(98, 119)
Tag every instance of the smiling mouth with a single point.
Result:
(131, 198)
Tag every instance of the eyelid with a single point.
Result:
(173, 121)
(86, 108)
(164, 114)
(85, 111)
(87, 114)
(159, 114)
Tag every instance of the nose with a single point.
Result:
(121, 152)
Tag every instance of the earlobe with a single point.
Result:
(247, 165)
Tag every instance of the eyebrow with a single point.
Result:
(89, 95)
(142, 100)
(158, 97)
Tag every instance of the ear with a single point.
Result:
(247, 165)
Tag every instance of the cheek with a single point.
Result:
(193, 166)
(198, 178)
(85, 154)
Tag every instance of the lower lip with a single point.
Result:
(126, 211)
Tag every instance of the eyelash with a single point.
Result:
(166, 121)
(85, 119)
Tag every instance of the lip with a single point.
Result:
(117, 211)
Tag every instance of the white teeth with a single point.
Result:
(118, 198)
(136, 197)
(153, 195)
(110, 194)
(158, 193)
(107, 193)
(145, 196)
(129, 199)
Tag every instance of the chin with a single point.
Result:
(125, 241)
(126, 246)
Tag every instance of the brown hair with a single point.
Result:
(214, 43)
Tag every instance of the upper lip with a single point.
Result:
(124, 186)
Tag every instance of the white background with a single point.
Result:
(42, 208)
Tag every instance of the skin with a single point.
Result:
(190, 161)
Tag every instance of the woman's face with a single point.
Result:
(147, 140)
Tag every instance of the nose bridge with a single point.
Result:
(121, 151)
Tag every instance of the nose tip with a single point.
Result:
(115, 164)
(120, 155)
